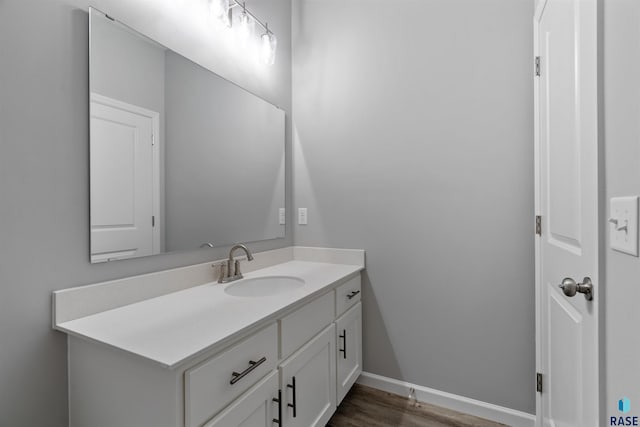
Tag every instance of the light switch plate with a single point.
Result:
(281, 216)
(302, 216)
(623, 224)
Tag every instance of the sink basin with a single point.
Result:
(264, 286)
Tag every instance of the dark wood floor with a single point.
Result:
(368, 407)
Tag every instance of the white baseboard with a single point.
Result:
(466, 405)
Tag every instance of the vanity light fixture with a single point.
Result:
(243, 22)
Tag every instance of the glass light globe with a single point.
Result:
(268, 48)
(244, 25)
(219, 9)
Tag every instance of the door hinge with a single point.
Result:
(539, 382)
(153, 139)
(153, 220)
(538, 66)
(538, 225)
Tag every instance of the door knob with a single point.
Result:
(570, 287)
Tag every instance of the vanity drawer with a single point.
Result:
(348, 294)
(208, 387)
(300, 326)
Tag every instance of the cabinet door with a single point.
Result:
(308, 381)
(349, 350)
(258, 407)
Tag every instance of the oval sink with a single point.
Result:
(264, 286)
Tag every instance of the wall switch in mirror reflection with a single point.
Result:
(302, 216)
(281, 216)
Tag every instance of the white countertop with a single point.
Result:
(173, 328)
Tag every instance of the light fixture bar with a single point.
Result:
(236, 3)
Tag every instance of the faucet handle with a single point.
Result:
(237, 272)
(223, 271)
(229, 267)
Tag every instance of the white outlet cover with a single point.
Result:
(302, 216)
(623, 211)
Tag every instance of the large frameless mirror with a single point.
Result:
(180, 158)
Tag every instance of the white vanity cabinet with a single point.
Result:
(291, 369)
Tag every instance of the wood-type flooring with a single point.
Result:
(369, 407)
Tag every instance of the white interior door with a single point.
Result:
(123, 221)
(567, 200)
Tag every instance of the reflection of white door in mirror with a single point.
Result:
(125, 183)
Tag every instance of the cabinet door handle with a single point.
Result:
(235, 376)
(292, 386)
(353, 294)
(279, 400)
(343, 350)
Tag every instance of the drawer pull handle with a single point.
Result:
(279, 401)
(252, 365)
(343, 350)
(292, 386)
(353, 294)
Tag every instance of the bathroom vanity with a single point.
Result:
(280, 347)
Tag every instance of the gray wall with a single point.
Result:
(622, 178)
(413, 139)
(44, 203)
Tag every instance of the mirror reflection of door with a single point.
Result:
(216, 173)
(123, 221)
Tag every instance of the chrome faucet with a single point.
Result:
(225, 267)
